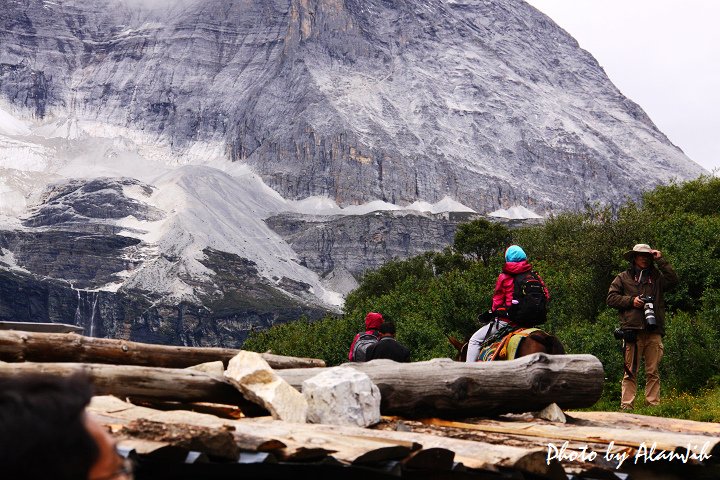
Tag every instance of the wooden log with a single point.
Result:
(449, 389)
(41, 327)
(168, 384)
(115, 413)
(215, 442)
(299, 443)
(217, 409)
(21, 346)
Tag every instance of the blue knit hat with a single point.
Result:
(515, 254)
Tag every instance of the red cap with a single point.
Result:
(373, 320)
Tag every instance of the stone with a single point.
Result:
(552, 413)
(216, 369)
(257, 381)
(342, 396)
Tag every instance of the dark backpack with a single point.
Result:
(529, 306)
(359, 353)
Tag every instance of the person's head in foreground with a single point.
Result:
(45, 432)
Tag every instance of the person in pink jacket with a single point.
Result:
(515, 264)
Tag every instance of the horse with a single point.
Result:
(538, 341)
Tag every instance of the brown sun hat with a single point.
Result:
(639, 248)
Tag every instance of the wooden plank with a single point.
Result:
(21, 346)
(598, 457)
(626, 420)
(216, 442)
(621, 437)
(217, 409)
(299, 444)
(449, 389)
(472, 454)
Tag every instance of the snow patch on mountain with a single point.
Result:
(447, 204)
(319, 205)
(7, 260)
(11, 125)
(518, 212)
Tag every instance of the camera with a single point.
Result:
(630, 336)
(649, 310)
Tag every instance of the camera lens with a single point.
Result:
(650, 315)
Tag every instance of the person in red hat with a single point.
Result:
(362, 340)
(638, 295)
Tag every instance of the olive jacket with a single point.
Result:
(627, 286)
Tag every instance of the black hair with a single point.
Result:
(42, 427)
(388, 326)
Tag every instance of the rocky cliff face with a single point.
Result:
(486, 101)
(157, 159)
(74, 262)
(341, 248)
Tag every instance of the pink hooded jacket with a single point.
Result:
(505, 285)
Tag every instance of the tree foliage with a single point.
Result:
(482, 239)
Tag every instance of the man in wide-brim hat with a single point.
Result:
(639, 248)
(638, 294)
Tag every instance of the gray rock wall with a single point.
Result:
(489, 102)
(245, 303)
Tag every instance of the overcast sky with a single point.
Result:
(663, 55)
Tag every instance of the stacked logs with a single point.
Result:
(172, 407)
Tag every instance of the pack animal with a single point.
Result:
(537, 341)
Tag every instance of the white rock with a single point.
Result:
(552, 413)
(257, 381)
(342, 396)
(211, 368)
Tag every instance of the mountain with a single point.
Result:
(185, 171)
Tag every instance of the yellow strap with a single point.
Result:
(512, 341)
(501, 351)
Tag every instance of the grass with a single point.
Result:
(703, 406)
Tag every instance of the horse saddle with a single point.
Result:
(505, 348)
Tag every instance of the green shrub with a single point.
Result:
(691, 354)
(482, 239)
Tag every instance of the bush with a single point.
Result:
(303, 338)
(691, 354)
(482, 239)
